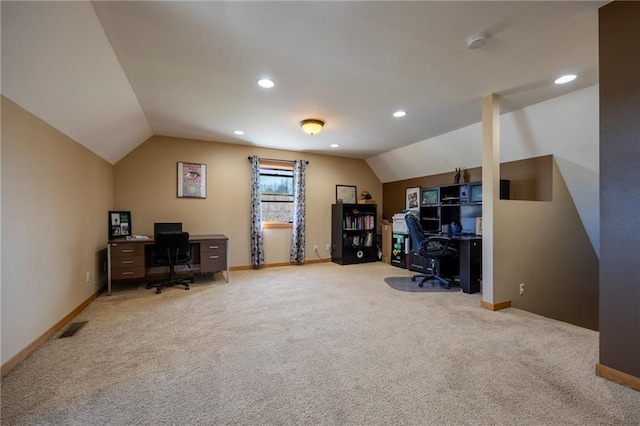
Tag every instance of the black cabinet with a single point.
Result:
(458, 203)
(353, 233)
(454, 204)
(470, 253)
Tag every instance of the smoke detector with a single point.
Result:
(478, 40)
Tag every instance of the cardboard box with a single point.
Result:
(386, 242)
(367, 202)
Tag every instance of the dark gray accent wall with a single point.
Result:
(620, 186)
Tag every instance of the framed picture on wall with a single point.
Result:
(412, 198)
(192, 180)
(119, 224)
(346, 194)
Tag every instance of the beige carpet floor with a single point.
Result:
(318, 344)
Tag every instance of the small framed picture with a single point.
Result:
(346, 194)
(192, 180)
(412, 198)
(119, 224)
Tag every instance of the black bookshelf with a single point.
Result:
(353, 233)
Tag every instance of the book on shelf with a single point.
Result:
(368, 240)
(363, 222)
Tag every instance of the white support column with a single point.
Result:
(490, 189)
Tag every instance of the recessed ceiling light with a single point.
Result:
(238, 132)
(478, 40)
(399, 114)
(266, 83)
(335, 145)
(565, 79)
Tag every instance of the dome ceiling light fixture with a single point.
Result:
(311, 126)
(477, 41)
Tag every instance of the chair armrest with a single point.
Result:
(440, 247)
(440, 238)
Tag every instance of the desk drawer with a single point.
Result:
(127, 250)
(213, 261)
(213, 246)
(127, 262)
(127, 273)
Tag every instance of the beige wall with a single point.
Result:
(545, 246)
(55, 194)
(146, 182)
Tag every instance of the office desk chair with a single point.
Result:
(434, 248)
(171, 249)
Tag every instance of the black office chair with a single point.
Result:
(171, 249)
(434, 248)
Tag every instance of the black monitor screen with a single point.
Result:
(476, 194)
(160, 227)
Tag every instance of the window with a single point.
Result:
(276, 192)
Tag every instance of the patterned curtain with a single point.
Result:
(297, 238)
(257, 242)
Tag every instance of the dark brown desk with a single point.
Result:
(130, 259)
(469, 265)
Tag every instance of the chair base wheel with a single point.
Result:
(420, 284)
(159, 286)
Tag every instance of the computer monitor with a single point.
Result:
(160, 227)
(468, 225)
(475, 193)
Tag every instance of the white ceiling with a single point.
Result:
(111, 74)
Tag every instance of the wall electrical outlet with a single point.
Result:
(315, 247)
(521, 289)
(328, 247)
(88, 276)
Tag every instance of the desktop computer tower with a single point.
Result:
(470, 253)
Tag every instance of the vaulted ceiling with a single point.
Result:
(111, 74)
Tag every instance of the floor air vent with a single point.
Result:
(73, 328)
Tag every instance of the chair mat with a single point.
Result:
(405, 284)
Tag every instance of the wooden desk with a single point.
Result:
(131, 259)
